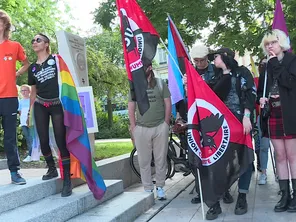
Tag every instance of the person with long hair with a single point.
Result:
(234, 85)
(281, 97)
(43, 79)
(10, 52)
(150, 132)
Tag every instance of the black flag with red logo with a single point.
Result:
(216, 136)
(140, 40)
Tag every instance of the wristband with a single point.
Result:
(247, 115)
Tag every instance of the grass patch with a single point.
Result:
(107, 150)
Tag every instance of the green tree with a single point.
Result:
(233, 23)
(105, 66)
(30, 17)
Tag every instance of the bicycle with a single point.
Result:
(134, 163)
(174, 163)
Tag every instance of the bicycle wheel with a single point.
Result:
(134, 163)
(172, 151)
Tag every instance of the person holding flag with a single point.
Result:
(149, 106)
(235, 86)
(281, 94)
(54, 96)
(199, 54)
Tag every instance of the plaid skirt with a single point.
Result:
(275, 122)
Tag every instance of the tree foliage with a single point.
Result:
(232, 23)
(30, 17)
(105, 66)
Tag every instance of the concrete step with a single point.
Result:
(13, 196)
(3, 164)
(57, 208)
(125, 207)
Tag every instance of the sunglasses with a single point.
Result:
(38, 40)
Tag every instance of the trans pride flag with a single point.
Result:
(174, 76)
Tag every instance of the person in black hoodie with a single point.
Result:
(281, 124)
(234, 85)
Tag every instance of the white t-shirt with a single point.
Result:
(24, 106)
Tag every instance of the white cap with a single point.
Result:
(199, 51)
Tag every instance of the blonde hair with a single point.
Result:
(275, 35)
(7, 23)
(25, 85)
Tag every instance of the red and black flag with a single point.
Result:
(140, 40)
(216, 136)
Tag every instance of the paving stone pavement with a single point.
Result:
(261, 201)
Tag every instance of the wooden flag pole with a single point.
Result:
(201, 195)
(172, 57)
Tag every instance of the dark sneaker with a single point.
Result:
(51, 173)
(196, 200)
(227, 198)
(16, 178)
(241, 206)
(214, 212)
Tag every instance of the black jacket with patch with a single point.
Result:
(285, 74)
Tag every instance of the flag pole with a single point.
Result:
(172, 57)
(201, 195)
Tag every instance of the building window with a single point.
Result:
(162, 56)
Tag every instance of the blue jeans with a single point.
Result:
(8, 112)
(29, 139)
(264, 147)
(245, 180)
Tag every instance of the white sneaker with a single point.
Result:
(262, 179)
(160, 193)
(27, 159)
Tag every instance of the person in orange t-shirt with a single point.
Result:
(10, 52)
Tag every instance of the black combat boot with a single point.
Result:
(282, 205)
(292, 204)
(214, 211)
(52, 170)
(196, 199)
(227, 198)
(241, 206)
(67, 185)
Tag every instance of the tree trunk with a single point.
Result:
(109, 109)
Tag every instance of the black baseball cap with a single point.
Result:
(222, 51)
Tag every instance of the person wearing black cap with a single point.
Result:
(234, 85)
(199, 54)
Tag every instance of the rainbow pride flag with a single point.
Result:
(83, 165)
(77, 137)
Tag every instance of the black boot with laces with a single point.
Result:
(241, 206)
(214, 211)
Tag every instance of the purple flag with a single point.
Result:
(279, 19)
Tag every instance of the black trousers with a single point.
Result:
(8, 112)
(42, 115)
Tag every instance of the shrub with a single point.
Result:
(118, 130)
(21, 143)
